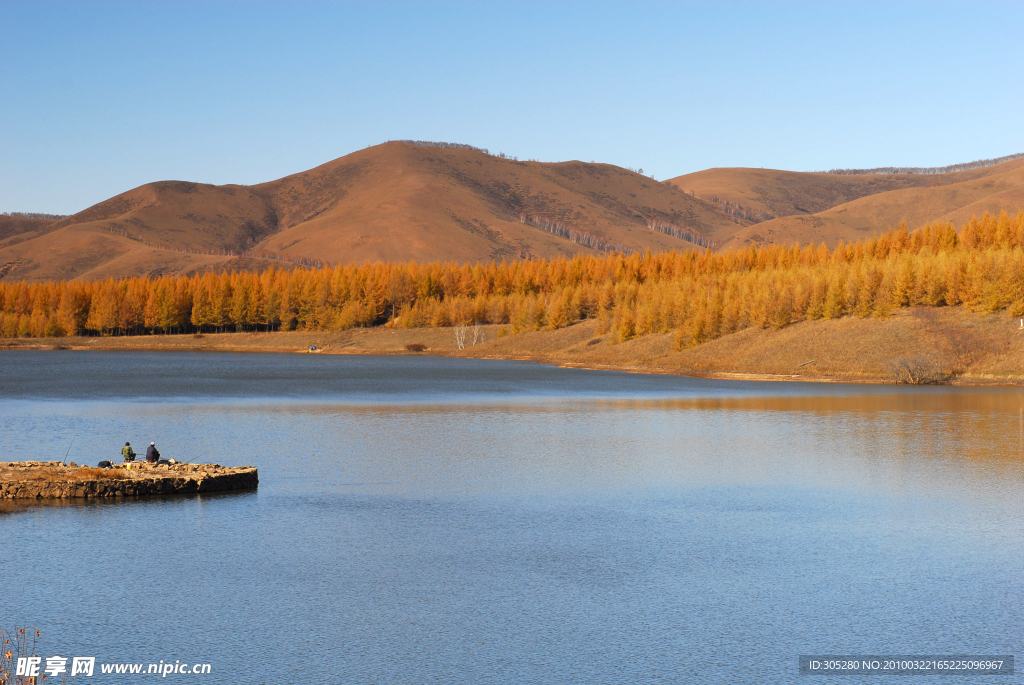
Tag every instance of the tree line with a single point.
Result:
(35, 215)
(952, 168)
(736, 209)
(562, 230)
(679, 232)
(698, 295)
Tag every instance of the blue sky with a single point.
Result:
(100, 97)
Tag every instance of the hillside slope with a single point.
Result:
(17, 229)
(23, 227)
(831, 207)
(395, 201)
(956, 201)
(788, 193)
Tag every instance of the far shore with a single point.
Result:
(923, 345)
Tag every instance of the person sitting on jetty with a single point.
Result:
(128, 453)
(152, 453)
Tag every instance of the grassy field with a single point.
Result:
(914, 345)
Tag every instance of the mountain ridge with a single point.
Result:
(425, 201)
(395, 201)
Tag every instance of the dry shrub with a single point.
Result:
(20, 643)
(81, 474)
(917, 370)
(88, 473)
(416, 347)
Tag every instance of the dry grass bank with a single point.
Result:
(918, 345)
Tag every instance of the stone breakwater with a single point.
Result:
(54, 480)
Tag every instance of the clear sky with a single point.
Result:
(99, 97)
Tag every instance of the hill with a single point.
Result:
(396, 201)
(20, 224)
(829, 207)
(420, 201)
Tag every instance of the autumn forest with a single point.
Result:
(698, 295)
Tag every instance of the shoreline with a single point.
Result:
(170, 346)
(923, 346)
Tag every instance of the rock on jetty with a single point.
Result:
(55, 480)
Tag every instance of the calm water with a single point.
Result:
(425, 520)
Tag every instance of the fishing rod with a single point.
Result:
(190, 460)
(69, 448)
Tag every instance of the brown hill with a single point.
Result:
(28, 227)
(957, 202)
(832, 207)
(19, 228)
(16, 229)
(401, 201)
(395, 201)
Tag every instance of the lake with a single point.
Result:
(432, 520)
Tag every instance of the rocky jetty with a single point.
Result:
(37, 480)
